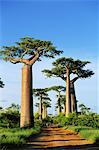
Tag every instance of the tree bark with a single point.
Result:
(40, 114)
(43, 112)
(27, 118)
(59, 107)
(73, 98)
(68, 99)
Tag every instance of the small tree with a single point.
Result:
(10, 116)
(46, 103)
(58, 89)
(63, 102)
(41, 94)
(84, 109)
(28, 51)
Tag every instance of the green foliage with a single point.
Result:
(10, 117)
(63, 120)
(60, 120)
(84, 109)
(36, 116)
(78, 128)
(12, 137)
(86, 132)
(48, 119)
(57, 88)
(92, 135)
(91, 120)
(29, 47)
(75, 67)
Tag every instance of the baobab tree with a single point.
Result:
(63, 68)
(81, 74)
(46, 104)
(58, 89)
(84, 109)
(63, 102)
(41, 94)
(27, 51)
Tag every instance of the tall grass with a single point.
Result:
(87, 133)
(92, 135)
(16, 136)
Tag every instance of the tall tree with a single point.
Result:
(41, 94)
(63, 68)
(63, 102)
(46, 104)
(28, 51)
(58, 89)
(81, 74)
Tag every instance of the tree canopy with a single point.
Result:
(75, 66)
(28, 50)
(57, 88)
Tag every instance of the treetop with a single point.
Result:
(28, 50)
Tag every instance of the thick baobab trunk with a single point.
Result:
(26, 119)
(73, 98)
(40, 114)
(68, 99)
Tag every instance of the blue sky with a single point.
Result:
(71, 25)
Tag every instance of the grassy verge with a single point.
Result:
(16, 137)
(87, 133)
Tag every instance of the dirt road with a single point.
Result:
(58, 139)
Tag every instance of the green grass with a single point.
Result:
(92, 135)
(10, 137)
(86, 132)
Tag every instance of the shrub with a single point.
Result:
(72, 119)
(91, 120)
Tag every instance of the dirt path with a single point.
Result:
(57, 138)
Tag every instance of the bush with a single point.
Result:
(9, 118)
(90, 120)
(62, 120)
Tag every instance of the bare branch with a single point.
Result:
(18, 60)
(73, 80)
